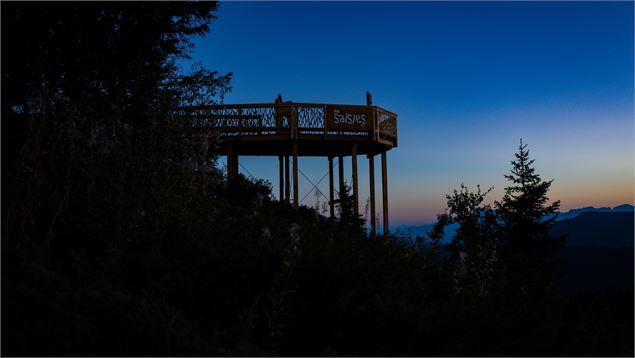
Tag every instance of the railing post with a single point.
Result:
(326, 110)
(375, 124)
(293, 118)
(240, 122)
(373, 115)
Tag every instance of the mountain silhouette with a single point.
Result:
(588, 209)
(422, 230)
(597, 229)
(598, 254)
(624, 208)
(589, 230)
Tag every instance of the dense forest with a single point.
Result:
(122, 236)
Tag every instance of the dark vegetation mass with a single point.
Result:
(121, 236)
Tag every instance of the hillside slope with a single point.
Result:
(597, 229)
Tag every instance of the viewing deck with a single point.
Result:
(318, 129)
(291, 130)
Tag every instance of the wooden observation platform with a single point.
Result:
(288, 129)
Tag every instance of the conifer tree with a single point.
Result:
(527, 249)
(524, 211)
(348, 212)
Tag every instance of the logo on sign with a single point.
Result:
(348, 118)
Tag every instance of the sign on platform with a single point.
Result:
(349, 118)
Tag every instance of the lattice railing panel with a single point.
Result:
(387, 124)
(230, 117)
(310, 117)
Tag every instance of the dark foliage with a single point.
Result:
(122, 237)
(87, 95)
(349, 215)
(474, 246)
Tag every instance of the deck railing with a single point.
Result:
(296, 120)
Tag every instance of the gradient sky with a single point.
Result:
(467, 81)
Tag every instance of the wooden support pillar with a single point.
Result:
(371, 172)
(281, 166)
(232, 165)
(384, 189)
(287, 182)
(355, 184)
(340, 163)
(295, 175)
(236, 166)
(331, 194)
(230, 161)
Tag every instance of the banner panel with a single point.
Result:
(349, 118)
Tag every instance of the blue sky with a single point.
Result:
(467, 79)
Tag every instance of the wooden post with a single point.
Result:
(293, 123)
(373, 116)
(331, 194)
(295, 175)
(277, 113)
(236, 166)
(287, 182)
(341, 176)
(384, 189)
(232, 165)
(230, 161)
(281, 166)
(355, 184)
(371, 172)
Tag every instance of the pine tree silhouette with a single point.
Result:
(524, 210)
(527, 249)
(348, 213)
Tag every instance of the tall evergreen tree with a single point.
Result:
(526, 217)
(524, 210)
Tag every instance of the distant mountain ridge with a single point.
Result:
(614, 229)
(590, 209)
(574, 228)
(422, 230)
